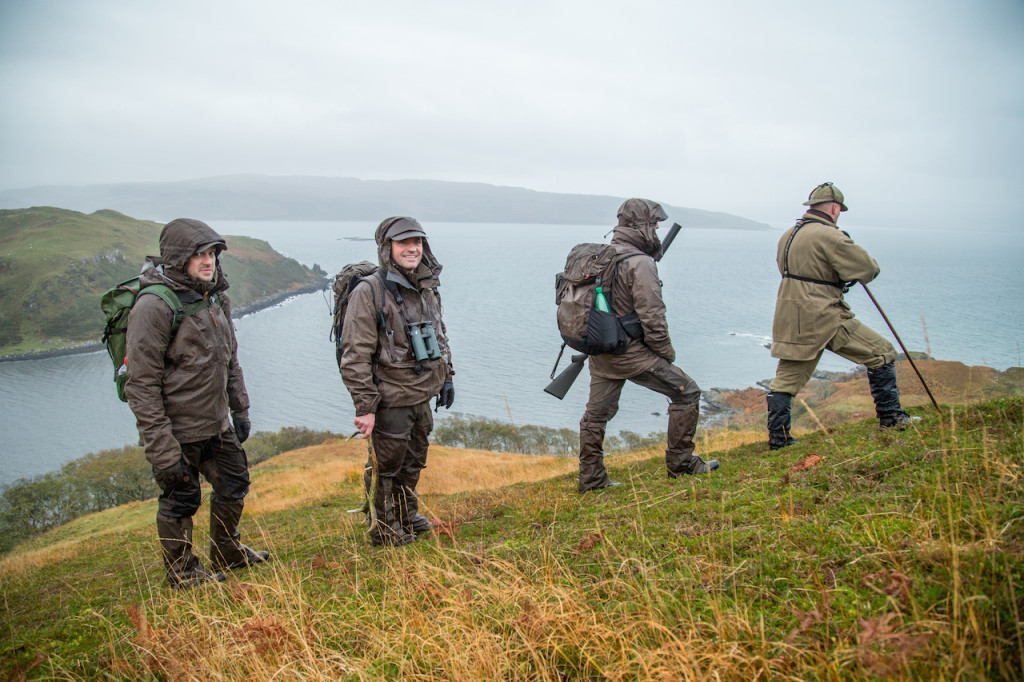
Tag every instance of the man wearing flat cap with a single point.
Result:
(187, 392)
(395, 358)
(818, 263)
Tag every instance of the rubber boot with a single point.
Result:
(679, 457)
(593, 475)
(779, 435)
(412, 521)
(388, 531)
(183, 567)
(886, 395)
(226, 550)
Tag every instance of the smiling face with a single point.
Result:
(202, 266)
(407, 253)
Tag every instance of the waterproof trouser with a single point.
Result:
(400, 442)
(683, 413)
(779, 420)
(886, 395)
(223, 463)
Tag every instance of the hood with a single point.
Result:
(638, 224)
(429, 268)
(180, 240)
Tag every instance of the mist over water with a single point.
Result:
(956, 294)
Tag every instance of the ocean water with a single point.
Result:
(956, 294)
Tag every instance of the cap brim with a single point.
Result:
(409, 233)
(221, 246)
(842, 207)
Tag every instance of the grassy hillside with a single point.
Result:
(856, 554)
(55, 264)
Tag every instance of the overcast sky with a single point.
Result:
(915, 109)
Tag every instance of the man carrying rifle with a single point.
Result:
(647, 360)
(818, 263)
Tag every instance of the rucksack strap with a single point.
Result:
(615, 277)
(785, 259)
(180, 311)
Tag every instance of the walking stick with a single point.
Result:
(368, 506)
(905, 351)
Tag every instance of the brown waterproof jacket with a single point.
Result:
(636, 287)
(808, 314)
(184, 390)
(370, 349)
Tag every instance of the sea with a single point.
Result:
(954, 294)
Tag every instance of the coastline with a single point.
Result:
(254, 307)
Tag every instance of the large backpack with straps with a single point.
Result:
(581, 324)
(343, 284)
(118, 302)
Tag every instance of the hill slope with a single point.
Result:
(55, 264)
(262, 197)
(855, 554)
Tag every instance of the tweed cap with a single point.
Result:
(826, 192)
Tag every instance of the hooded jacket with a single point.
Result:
(808, 314)
(185, 390)
(371, 350)
(637, 287)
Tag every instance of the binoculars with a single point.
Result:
(423, 341)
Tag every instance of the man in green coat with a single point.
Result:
(818, 262)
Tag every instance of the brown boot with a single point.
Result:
(593, 475)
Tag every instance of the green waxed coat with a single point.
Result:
(807, 314)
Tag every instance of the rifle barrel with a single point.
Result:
(667, 242)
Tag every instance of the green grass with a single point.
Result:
(899, 556)
(55, 264)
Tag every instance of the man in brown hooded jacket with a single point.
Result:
(392, 369)
(647, 360)
(190, 402)
(818, 262)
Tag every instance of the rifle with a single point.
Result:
(667, 242)
(561, 384)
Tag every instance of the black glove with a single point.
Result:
(241, 428)
(172, 476)
(446, 397)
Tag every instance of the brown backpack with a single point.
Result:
(582, 325)
(343, 284)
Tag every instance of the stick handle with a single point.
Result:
(905, 351)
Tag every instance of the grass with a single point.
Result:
(891, 555)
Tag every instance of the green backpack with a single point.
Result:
(117, 303)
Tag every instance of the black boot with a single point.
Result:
(695, 465)
(886, 395)
(412, 521)
(226, 549)
(388, 532)
(183, 567)
(778, 421)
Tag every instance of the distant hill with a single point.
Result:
(55, 264)
(259, 197)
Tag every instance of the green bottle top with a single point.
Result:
(600, 302)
